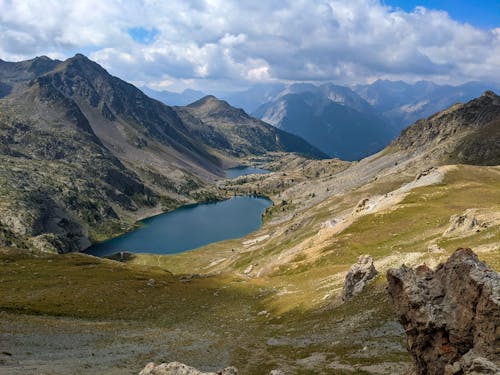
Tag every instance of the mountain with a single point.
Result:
(405, 205)
(175, 98)
(249, 99)
(333, 118)
(233, 131)
(85, 154)
(404, 103)
(464, 133)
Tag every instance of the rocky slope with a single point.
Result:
(466, 133)
(85, 154)
(451, 315)
(234, 132)
(176, 368)
(276, 292)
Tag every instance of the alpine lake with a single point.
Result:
(191, 226)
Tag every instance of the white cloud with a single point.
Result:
(237, 41)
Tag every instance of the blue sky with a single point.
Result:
(143, 35)
(480, 13)
(215, 45)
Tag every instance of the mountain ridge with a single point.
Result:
(115, 155)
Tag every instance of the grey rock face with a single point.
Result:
(451, 315)
(177, 368)
(470, 130)
(358, 276)
(472, 364)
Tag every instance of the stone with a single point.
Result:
(358, 276)
(248, 270)
(472, 364)
(462, 225)
(362, 205)
(177, 368)
(451, 315)
(435, 248)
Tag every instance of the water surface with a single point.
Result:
(189, 227)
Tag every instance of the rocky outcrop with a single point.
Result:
(451, 315)
(470, 222)
(358, 276)
(177, 368)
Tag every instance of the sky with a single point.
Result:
(214, 45)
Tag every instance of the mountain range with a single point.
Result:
(345, 122)
(92, 153)
(84, 154)
(333, 118)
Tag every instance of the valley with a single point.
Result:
(85, 155)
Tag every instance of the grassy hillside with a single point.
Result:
(289, 316)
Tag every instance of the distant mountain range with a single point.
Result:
(343, 122)
(402, 103)
(83, 154)
(333, 118)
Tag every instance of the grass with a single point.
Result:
(303, 318)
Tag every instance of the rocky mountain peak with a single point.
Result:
(490, 94)
(210, 103)
(210, 106)
(83, 66)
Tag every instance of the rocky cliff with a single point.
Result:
(451, 315)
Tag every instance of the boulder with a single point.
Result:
(177, 368)
(472, 364)
(451, 315)
(358, 276)
(465, 224)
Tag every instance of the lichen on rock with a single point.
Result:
(358, 276)
(451, 315)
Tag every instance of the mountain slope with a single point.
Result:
(236, 133)
(85, 154)
(327, 118)
(402, 205)
(464, 133)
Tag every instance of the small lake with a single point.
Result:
(189, 227)
(242, 171)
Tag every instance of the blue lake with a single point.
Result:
(242, 171)
(189, 227)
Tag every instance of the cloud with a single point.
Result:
(238, 42)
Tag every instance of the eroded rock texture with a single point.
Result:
(358, 276)
(451, 315)
(177, 368)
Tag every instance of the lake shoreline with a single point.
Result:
(143, 223)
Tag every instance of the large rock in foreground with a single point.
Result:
(358, 276)
(177, 368)
(451, 315)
